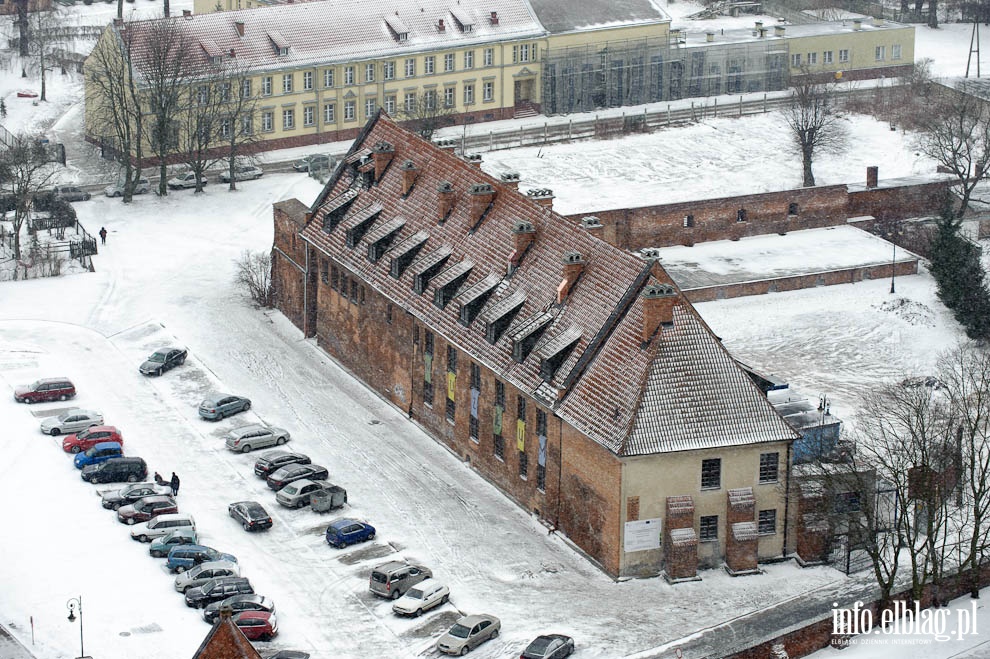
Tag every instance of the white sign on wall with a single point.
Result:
(642, 534)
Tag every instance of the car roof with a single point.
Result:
(306, 481)
(104, 445)
(54, 380)
(471, 621)
(101, 429)
(213, 565)
(246, 597)
(391, 565)
(181, 531)
(240, 430)
(241, 615)
(428, 583)
(344, 521)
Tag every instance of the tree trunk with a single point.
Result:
(905, 7)
(162, 178)
(42, 60)
(23, 31)
(933, 13)
(166, 9)
(809, 177)
(230, 172)
(918, 4)
(120, 9)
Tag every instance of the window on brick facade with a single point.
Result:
(498, 447)
(498, 444)
(689, 220)
(523, 464)
(325, 271)
(741, 215)
(475, 395)
(520, 407)
(769, 467)
(428, 367)
(541, 478)
(451, 382)
(792, 208)
(708, 528)
(388, 313)
(354, 290)
(361, 295)
(767, 522)
(334, 278)
(711, 473)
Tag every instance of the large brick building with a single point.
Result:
(570, 373)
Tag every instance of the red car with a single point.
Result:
(42, 391)
(257, 625)
(87, 439)
(144, 509)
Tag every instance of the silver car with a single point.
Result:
(242, 173)
(186, 180)
(247, 438)
(296, 494)
(199, 575)
(71, 421)
(217, 406)
(468, 633)
(117, 189)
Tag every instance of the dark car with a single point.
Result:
(183, 557)
(238, 603)
(269, 462)
(114, 499)
(146, 508)
(289, 654)
(90, 437)
(162, 360)
(343, 532)
(43, 391)
(218, 406)
(313, 162)
(285, 475)
(549, 646)
(257, 625)
(217, 589)
(71, 193)
(251, 515)
(116, 470)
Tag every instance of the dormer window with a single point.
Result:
(382, 237)
(428, 267)
(397, 28)
(405, 252)
(283, 50)
(216, 60)
(280, 43)
(449, 281)
(556, 352)
(500, 316)
(462, 21)
(335, 209)
(358, 224)
(528, 333)
(473, 299)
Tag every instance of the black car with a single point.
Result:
(285, 475)
(251, 515)
(217, 589)
(163, 360)
(549, 646)
(116, 470)
(237, 604)
(273, 460)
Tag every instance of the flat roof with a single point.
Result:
(559, 16)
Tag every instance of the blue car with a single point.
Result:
(99, 453)
(183, 557)
(343, 532)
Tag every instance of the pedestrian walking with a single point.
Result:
(103, 235)
(175, 484)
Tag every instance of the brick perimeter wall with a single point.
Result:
(288, 264)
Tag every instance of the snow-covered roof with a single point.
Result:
(337, 31)
(573, 15)
(695, 35)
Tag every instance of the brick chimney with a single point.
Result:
(409, 174)
(447, 145)
(544, 197)
(382, 153)
(117, 22)
(187, 13)
(709, 36)
(473, 158)
(779, 30)
(240, 28)
(494, 18)
(523, 235)
(592, 225)
(658, 308)
(872, 174)
(440, 26)
(573, 267)
(510, 179)
(445, 201)
(482, 194)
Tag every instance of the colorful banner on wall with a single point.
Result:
(428, 360)
(474, 403)
(542, 456)
(520, 435)
(451, 385)
(497, 429)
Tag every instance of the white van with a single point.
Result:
(162, 525)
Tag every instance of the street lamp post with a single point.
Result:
(71, 605)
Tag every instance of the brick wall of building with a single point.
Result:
(896, 203)
(289, 261)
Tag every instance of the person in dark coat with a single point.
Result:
(159, 480)
(175, 484)
(103, 235)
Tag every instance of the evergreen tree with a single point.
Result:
(960, 277)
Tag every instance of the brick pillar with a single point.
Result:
(812, 525)
(680, 543)
(742, 542)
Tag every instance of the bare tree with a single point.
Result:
(254, 277)
(427, 114)
(48, 35)
(163, 67)
(26, 169)
(23, 29)
(200, 123)
(955, 133)
(236, 122)
(114, 103)
(814, 120)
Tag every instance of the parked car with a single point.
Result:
(394, 578)
(43, 391)
(468, 633)
(71, 193)
(242, 173)
(146, 508)
(313, 162)
(238, 603)
(114, 499)
(196, 576)
(98, 453)
(252, 436)
(162, 360)
(73, 420)
(117, 189)
(549, 646)
(218, 406)
(116, 470)
(285, 475)
(217, 589)
(297, 494)
(289, 654)
(90, 437)
(251, 515)
(269, 462)
(183, 557)
(186, 180)
(156, 527)
(423, 596)
(257, 625)
(343, 532)
(160, 547)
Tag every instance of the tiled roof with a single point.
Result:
(348, 30)
(609, 378)
(226, 641)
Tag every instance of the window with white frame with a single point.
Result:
(488, 91)
(288, 119)
(468, 93)
(429, 65)
(430, 99)
(409, 104)
(268, 121)
(369, 72)
(827, 57)
(468, 59)
(350, 108)
(881, 53)
(448, 96)
(795, 60)
(388, 70)
(489, 57)
(309, 115)
(348, 75)
(225, 127)
(247, 125)
(328, 78)
(307, 80)
(225, 92)
(843, 54)
(202, 95)
(370, 104)
(266, 86)
(330, 113)
(246, 88)
(448, 62)
(287, 83)
(390, 104)
(812, 58)
(895, 51)
(410, 67)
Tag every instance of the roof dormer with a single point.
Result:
(397, 28)
(462, 20)
(279, 43)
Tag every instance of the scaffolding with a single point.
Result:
(635, 72)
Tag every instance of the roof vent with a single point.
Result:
(542, 196)
(650, 254)
(493, 19)
(591, 222)
(440, 26)
(511, 179)
(473, 158)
